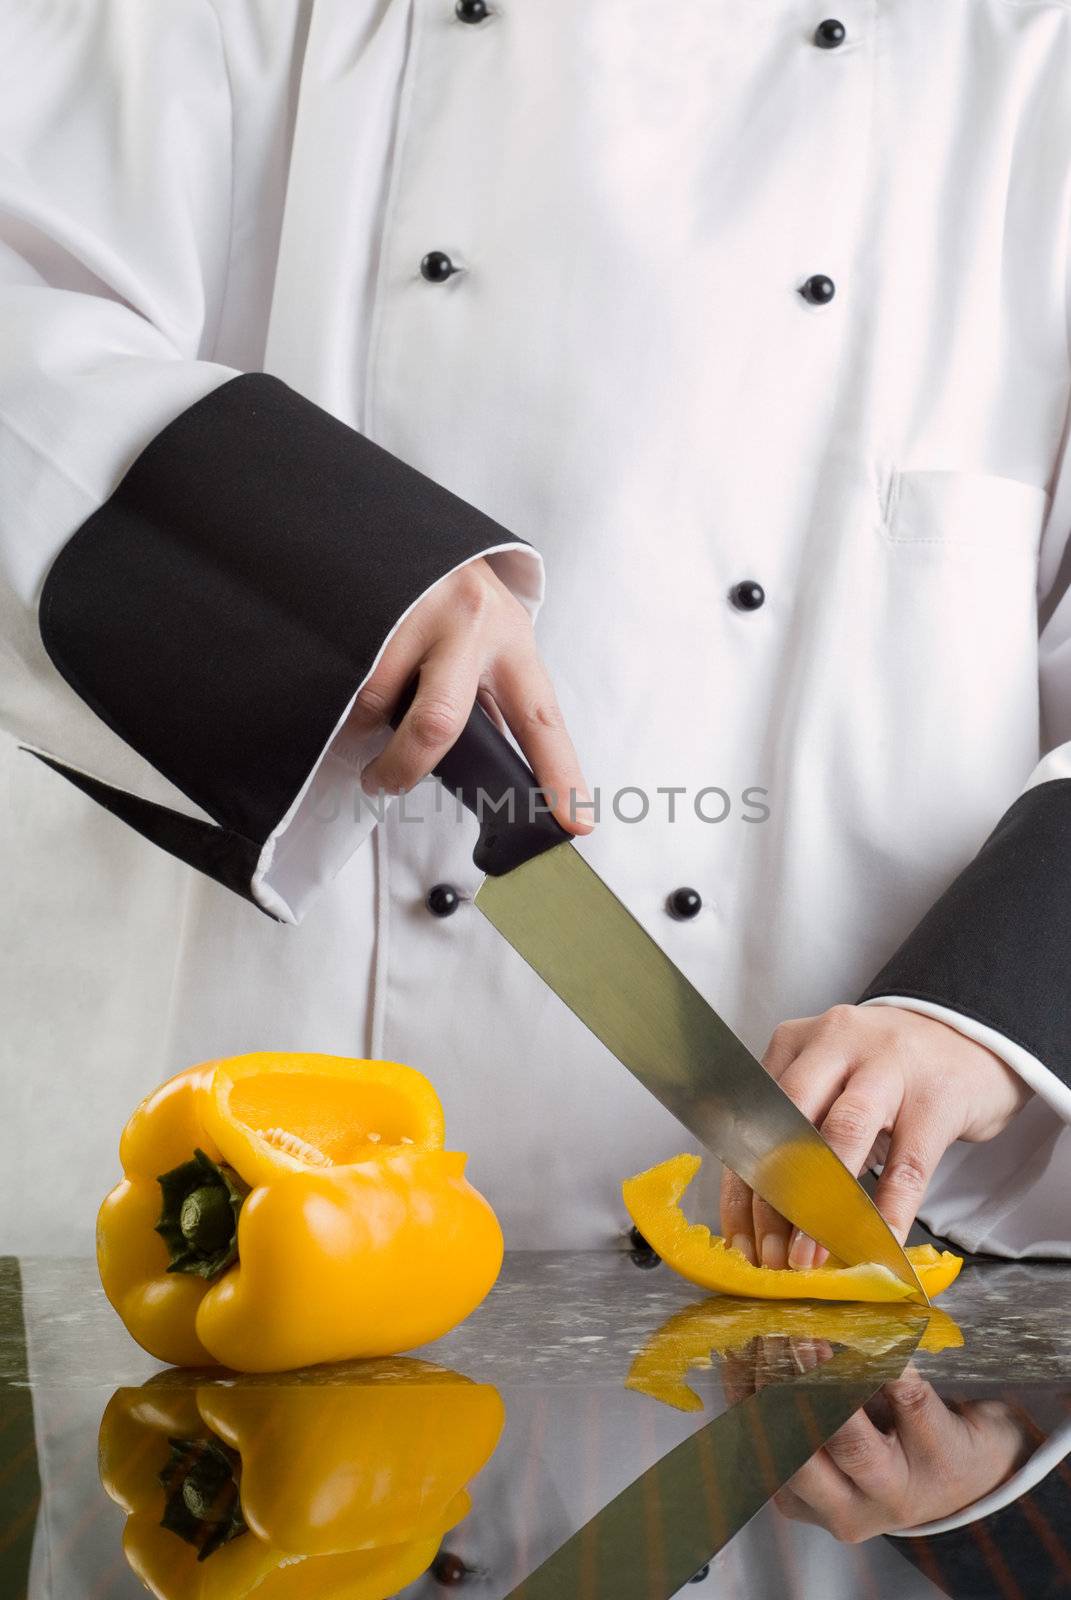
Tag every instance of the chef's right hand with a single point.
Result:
(469, 638)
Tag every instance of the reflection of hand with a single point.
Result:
(770, 1358)
(906, 1458)
(759, 1339)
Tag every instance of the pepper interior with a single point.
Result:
(325, 1120)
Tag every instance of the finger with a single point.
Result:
(850, 1126)
(804, 1354)
(745, 1218)
(487, 701)
(787, 1041)
(812, 1081)
(862, 1453)
(921, 1420)
(449, 678)
(815, 1078)
(526, 698)
(377, 697)
(772, 1232)
(920, 1137)
(774, 1361)
(816, 1082)
(738, 1375)
(821, 1487)
(791, 1506)
(736, 1225)
(810, 1353)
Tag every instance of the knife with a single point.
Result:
(557, 913)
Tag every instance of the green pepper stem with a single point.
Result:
(203, 1506)
(202, 1200)
(206, 1219)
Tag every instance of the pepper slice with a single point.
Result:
(282, 1210)
(691, 1250)
(686, 1341)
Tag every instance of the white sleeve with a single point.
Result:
(198, 566)
(992, 958)
(114, 229)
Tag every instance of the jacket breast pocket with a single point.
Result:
(934, 510)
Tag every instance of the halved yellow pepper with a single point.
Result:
(690, 1249)
(282, 1210)
(689, 1337)
(295, 1491)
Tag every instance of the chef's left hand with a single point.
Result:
(913, 1459)
(883, 1084)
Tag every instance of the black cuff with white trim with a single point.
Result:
(216, 852)
(222, 606)
(1019, 1549)
(997, 945)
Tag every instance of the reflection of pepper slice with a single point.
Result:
(689, 1337)
(280, 1210)
(653, 1202)
(338, 1491)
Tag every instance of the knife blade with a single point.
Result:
(560, 916)
(557, 913)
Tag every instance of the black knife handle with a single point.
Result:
(496, 784)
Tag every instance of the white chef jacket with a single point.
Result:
(724, 307)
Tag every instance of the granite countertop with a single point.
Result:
(563, 1317)
(613, 1381)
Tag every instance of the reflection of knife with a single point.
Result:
(650, 1540)
(544, 898)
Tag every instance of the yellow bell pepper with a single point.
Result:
(652, 1199)
(689, 1337)
(292, 1491)
(281, 1210)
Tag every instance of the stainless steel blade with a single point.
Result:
(557, 912)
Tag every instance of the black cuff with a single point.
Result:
(217, 852)
(997, 945)
(221, 607)
(1026, 1541)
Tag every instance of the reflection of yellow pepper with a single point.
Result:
(652, 1199)
(281, 1210)
(334, 1491)
(689, 1337)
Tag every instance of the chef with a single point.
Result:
(328, 329)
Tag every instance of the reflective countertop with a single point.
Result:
(595, 1429)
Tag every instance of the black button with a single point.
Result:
(448, 1569)
(747, 595)
(704, 1572)
(828, 34)
(437, 266)
(641, 1254)
(684, 904)
(442, 900)
(471, 10)
(819, 290)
